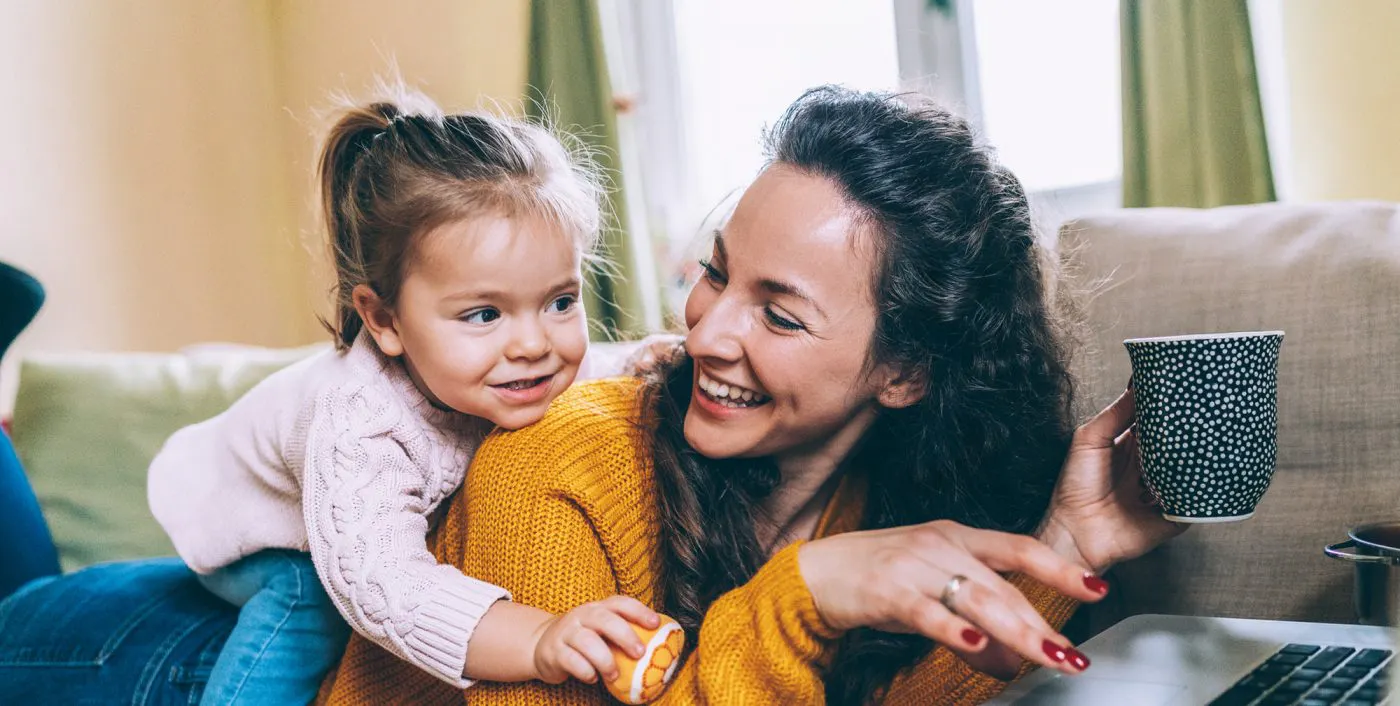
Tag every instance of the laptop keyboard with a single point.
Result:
(1313, 675)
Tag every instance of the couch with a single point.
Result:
(1327, 274)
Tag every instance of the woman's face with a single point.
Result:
(780, 326)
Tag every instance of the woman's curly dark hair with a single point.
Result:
(962, 299)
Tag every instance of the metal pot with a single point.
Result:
(1377, 559)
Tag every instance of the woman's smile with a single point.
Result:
(723, 397)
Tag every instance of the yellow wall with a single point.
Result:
(1343, 68)
(155, 170)
(462, 54)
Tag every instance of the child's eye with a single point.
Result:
(481, 316)
(781, 322)
(712, 273)
(563, 304)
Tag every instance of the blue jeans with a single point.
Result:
(288, 636)
(26, 547)
(143, 633)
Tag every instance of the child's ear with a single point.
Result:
(378, 320)
(902, 388)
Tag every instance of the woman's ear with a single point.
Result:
(902, 388)
(378, 320)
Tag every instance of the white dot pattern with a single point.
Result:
(1207, 421)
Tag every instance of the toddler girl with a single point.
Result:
(457, 242)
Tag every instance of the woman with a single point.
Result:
(874, 398)
(870, 349)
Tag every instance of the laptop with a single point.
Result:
(1170, 660)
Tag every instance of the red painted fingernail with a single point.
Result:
(1095, 584)
(1077, 659)
(972, 637)
(1053, 651)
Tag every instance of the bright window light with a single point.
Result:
(743, 61)
(1049, 85)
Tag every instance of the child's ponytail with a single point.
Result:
(349, 139)
(395, 169)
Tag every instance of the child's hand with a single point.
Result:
(656, 350)
(575, 644)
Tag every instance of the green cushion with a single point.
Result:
(86, 427)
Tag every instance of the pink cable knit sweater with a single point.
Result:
(339, 455)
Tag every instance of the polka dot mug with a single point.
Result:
(1207, 421)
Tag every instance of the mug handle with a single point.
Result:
(1334, 551)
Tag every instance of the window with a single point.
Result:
(1039, 79)
(1049, 85)
(742, 62)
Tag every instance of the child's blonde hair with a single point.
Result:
(395, 169)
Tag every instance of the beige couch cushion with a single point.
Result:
(1329, 276)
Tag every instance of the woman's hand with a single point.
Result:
(895, 579)
(1101, 513)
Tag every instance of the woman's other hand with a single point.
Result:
(1101, 512)
(903, 580)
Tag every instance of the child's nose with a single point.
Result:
(528, 341)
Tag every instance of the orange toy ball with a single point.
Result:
(641, 681)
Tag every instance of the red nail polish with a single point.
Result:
(972, 637)
(1095, 584)
(1077, 659)
(1053, 651)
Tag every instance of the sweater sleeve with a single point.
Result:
(763, 642)
(366, 503)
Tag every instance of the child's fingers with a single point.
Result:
(616, 629)
(574, 664)
(633, 610)
(591, 646)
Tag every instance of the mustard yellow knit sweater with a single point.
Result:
(563, 512)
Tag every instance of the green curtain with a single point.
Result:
(1193, 128)
(568, 84)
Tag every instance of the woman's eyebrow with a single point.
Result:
(776, 287)
(773, 286)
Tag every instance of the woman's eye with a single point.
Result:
(781, 322)
(563, 304)
(712, 273)
(481, 316)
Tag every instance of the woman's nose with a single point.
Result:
(718, 334)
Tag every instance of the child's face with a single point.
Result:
(489, 317)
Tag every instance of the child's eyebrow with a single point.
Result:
(500, 294)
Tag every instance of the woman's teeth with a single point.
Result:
(731, 396)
